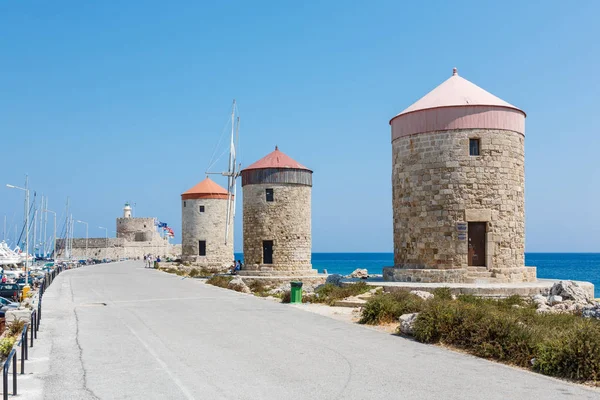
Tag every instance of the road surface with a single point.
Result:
(120, 331)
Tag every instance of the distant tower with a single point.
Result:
(204, 221)
(277, 217)
(127, 211)
(459, 188)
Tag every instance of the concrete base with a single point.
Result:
(478, 275)
(269, 270)
(316, 279)
(498, 290)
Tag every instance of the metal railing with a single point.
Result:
(28, 334)
(12, 358)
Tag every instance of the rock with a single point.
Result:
(545, 310)
(422, 294)
(407, 323)
(359, 273)
(570, 290)
(276, 291)
(591, 311)
(308, 288)
(540, 299)
(555, 299)
(334, 279)
(238, 285)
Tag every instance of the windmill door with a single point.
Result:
(267, 252)
(477, 244)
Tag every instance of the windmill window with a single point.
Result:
(474, 146)
(184, 204)
(201, 208)
(269, 194)
(202, 247)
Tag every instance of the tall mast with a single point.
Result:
(45, 219)
(231, 175)
(67, 226)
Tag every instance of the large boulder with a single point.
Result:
(570, 290)
(555, 299)
(422, 294)
(591, 311)
(238, 285)
(335, 279)
(407, 323)
(359, 273)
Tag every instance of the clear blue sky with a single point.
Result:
(111, 101)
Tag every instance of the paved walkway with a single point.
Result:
(119, 331)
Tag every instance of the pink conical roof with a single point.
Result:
(205, 189)
(456, 91)
(276, 159)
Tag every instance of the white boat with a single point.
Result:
(8, 256)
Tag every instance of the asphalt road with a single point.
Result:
(119, 331)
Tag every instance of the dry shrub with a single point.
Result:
(388, 307)
(330, 293)
(219, 280)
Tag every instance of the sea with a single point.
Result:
(573, 266)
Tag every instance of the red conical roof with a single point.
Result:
(207, 189)
(276, 159)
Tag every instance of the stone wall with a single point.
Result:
(437, 185)
(286, 221)
(209, 226)
(136, 229)
(119, 248)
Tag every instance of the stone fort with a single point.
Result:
(135, 238)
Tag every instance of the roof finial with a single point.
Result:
(276, 148)
(454, 71)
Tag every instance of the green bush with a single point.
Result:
(194, 273)
(562, 345)
(388, 307)
(573, 354)
(330, 293)
(443, 293)
(219, 280)
(259, 288)
(6, 345)
(479, 327)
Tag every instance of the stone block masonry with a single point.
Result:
(209, 226)
(286, 221)
(438, 185)
(116, 248)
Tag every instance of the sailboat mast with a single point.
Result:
(45, 219)
(34, 229)
(230, 177)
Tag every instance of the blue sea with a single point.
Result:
(574, 266)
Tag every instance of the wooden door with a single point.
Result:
(477, 244)
(267, 252)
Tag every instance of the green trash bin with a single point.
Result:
(296, 292)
